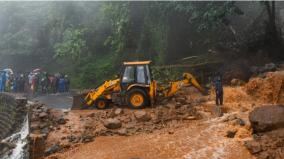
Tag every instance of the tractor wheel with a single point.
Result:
(137, 98)
(101, 103)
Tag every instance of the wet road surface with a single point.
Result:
(58, 100)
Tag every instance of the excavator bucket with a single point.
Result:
(79, 101)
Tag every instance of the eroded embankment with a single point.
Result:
(13, 113)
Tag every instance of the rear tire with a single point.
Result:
(101, 103)
(137, 98)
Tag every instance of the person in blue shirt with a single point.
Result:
(1, 82)
(61, 84)
(218, 89)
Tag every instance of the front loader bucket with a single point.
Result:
(78, 101)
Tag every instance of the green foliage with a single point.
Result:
(72, 46)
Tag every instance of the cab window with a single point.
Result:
(128, 75)
(141, 75)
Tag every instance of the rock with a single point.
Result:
(171, 132)
(112, 123)
(35, 126)
(267, 118)
(44, 130)
(253, 146)
(6, 148)
(181, 100)
(33, 137)
(190, 118)
(7, 144)
(52, 149)
(65, 145)
(231, 133)
(270, 67)
(254, 69)
(122, 132)
(72, 138)
(87, 138)
(237, 82)
(118, 111)
(91, 115)
(43, 115)
(142, 116)
(240, 122)
(61, 120)
(178, 105)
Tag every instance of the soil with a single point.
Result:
(268, 88)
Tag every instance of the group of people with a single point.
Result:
(8, 82)
(48, 83)
(35, 82)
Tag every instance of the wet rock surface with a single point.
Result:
(112, 123)
(267, 118)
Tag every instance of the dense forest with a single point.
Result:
(89, 40)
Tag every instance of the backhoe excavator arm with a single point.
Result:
(188, 79)
(95, 94)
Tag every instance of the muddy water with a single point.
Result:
(195, 140)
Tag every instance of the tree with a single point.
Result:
(73, 44)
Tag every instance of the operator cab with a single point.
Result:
(136, 73)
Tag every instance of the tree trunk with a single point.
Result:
(271, 31)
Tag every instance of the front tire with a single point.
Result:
(137, 98)
(101, 103)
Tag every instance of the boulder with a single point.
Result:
(253, 146)
(112, 123)
(142, 116)
(52, 149)
(6, 147)
(61, 120)
(267, 118)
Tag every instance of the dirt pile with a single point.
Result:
(268, 89)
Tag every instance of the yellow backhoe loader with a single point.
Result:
(134, 88)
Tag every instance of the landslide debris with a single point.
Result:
(267, 89)
(268, 125)
(268, 145)
(85, 125)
